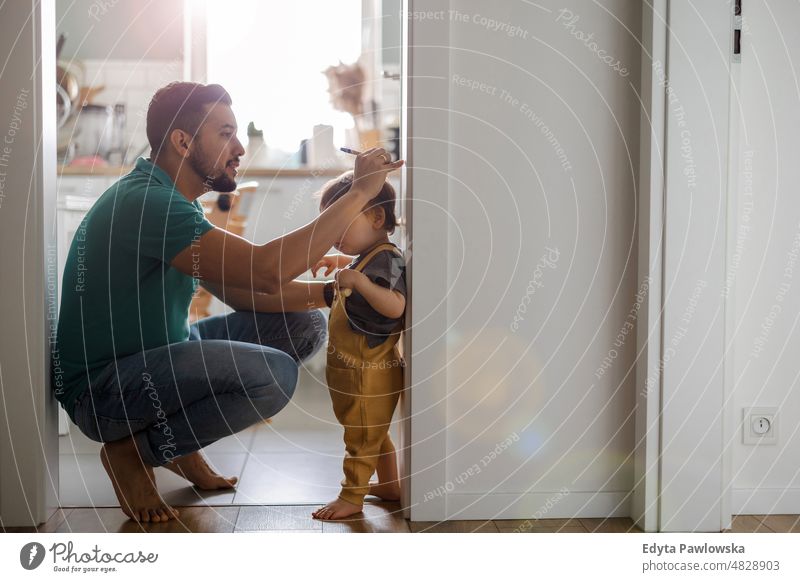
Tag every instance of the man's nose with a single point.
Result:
(238, 147)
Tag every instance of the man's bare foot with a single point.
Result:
(134, 482)
(337, 509)
(386, 491)
(193, 467)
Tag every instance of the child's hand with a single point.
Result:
(331, 262)
(349, 279)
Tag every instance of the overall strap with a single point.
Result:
(375, 251)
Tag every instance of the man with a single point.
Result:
(130, 371)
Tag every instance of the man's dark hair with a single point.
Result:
(180, 105)
(338, 187)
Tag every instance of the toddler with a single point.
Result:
(364, 369)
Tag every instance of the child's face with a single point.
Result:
(365, 230)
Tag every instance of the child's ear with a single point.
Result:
(378, 217)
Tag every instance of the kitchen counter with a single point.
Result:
(248, 173)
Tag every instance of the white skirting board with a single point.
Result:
(766, 501)
(539, 505)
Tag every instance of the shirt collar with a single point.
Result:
(155, 173)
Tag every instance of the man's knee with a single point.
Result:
(272, 395)
(308, 331)
(318, 333)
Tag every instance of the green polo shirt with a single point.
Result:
(119, 294)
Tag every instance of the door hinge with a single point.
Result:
(737, 31)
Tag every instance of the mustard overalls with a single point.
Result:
(364, 384)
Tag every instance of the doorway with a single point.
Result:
(294, 458)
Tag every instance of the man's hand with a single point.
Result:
(331, 262)
(371, 169)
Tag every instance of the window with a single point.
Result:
(270, 58)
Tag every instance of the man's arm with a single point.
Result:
(294, 296)
(221, 257)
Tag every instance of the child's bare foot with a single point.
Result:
(337, 509)
(387, 487)
(386, 491)
(134, 483)
(193, 467)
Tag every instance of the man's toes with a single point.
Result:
(144, 516)
(221, 482)
(169, 513)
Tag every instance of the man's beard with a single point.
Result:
(204, 168)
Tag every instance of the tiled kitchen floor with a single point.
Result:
(295, 459)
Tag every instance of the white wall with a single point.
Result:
(133, 84)
(98, 29)
(516, 187)
(28, 257)
(764, 270)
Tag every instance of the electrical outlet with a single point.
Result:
(760, 425)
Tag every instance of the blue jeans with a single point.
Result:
(235, 370)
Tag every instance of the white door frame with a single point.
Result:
(425, 120)
(28, 286)
(683, 423)
(644, 509)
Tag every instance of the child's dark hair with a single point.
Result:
(338, 187)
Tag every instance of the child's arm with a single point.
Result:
(294, 296)
(387, 302)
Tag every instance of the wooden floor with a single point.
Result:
(294, 462)
(376, 518)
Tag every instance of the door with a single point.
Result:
(523, 147)
(764, 245)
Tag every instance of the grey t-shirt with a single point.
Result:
(386, 269)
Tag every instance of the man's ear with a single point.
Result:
(180, 140)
